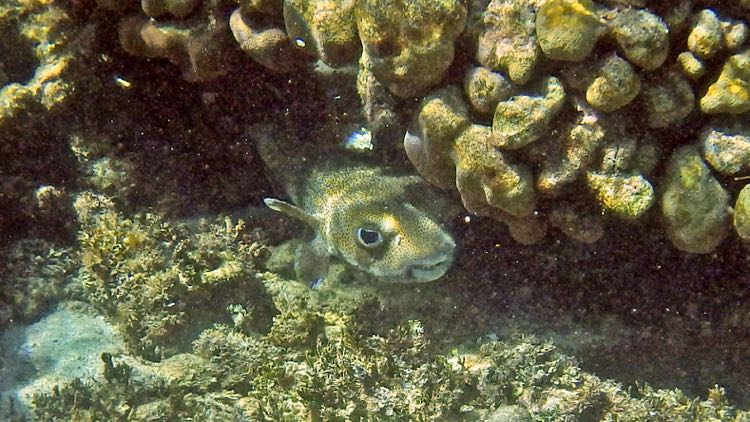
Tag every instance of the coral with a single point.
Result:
(485, 177)
(731, 91)
(198, 46)
(146, 274)
(642, 36)
(349, 374)
(691, 66)
(485, 88)
(727, 150)
(408, 46)
(325, 28)
(693, 204)
(567, 157)
(508, 42)
(628, 197)
(35, 275)
(742, 214)
(268, 45)
(615, 85)
(176, 8)
(576, 223)
(442, 116)
(522, 119)
(667, 99)
(567, 29)
(710, 35)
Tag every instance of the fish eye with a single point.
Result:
(369, 238)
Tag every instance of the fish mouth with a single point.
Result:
(429, 270)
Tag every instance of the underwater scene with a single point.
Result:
(375, 210)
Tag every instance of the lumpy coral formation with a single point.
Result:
(561, 80)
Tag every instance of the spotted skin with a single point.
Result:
(339, 201)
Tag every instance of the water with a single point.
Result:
(599, 270)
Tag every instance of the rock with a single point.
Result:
(742, 214)
(325, 29)
(693, 204)
(485, 177)
(176, 8)
(615, 85)
(523, 119)
(508, 42)
(485, 88)
(705, 38)
(667, 99)
(643, 37)
(627, 197)
(567, 29)
(442, 116)
(727, 150)
(409, 45)
(268, 46)
(731, 92)
(691, 66)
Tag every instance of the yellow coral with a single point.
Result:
(567, 29)
(731, 91)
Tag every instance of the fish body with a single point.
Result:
(383, 223)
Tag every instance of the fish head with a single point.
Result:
(391, 240)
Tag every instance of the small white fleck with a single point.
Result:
(300, 42)
(122, 82)
(467, 219)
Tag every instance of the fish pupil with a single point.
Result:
(369, 237)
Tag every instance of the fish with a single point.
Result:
(387, 224)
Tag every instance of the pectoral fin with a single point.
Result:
(310, 265)
(291, 210)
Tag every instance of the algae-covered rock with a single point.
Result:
(693, 203)
(667, 99)
(731, 92)
(200, 48)
(323, 28)
(735, 34)
(523, 119)
(742, 214)
(727, 150)
(485, 177)
(176, 8)
(705, 38)
(691, 66)
(441, 117)
(616, 85)
(409, 45)
(574, 152)
(567, 29)
(508, 42)
(146, 274)
(484, 88)
(627, 197)
(643, 37)
(577, 224)
(268, 45)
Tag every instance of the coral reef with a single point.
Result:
(147, 274)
